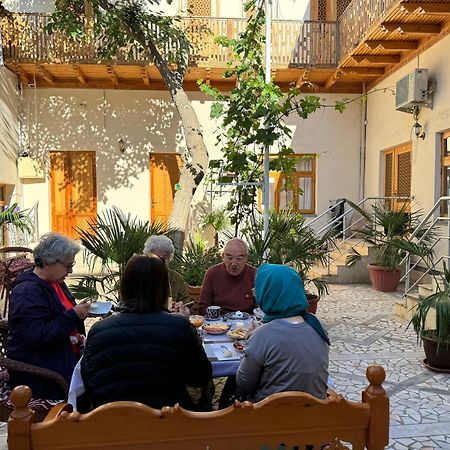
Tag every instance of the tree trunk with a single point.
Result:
(195, 159)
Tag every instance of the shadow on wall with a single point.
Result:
(96, 122)
(9, 142)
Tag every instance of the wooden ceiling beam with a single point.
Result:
(208, 76)
(363, 71)
(413, 28)
(393, 45)
(23, 75)
(79, 74)
(144, 75)
(302, 79)
(377, 59)
(426, 8)
(45, 74)
(112, 74)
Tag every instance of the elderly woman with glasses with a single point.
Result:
(162, 246)
(45, 324)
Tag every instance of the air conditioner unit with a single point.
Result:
(412, 91)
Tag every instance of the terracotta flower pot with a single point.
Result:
(436, 359)
(313, 299)
(383, 279)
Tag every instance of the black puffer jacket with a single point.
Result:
(148, 358)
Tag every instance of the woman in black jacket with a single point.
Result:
(145, 353)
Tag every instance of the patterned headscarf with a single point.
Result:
(280, 294)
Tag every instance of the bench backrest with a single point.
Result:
(291, 418)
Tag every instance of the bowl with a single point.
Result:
(259, 313)
(197, 320)
(237, 315)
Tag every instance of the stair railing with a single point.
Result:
(349, 231)
(427, 226)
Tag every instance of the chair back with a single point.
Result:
(295, 419)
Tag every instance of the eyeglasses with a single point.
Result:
(237, 259)
(67, 266)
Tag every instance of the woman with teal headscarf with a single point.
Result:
(290, 351)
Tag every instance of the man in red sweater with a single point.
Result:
(229, 284)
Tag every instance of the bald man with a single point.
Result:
(230, 283)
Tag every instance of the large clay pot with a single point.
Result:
(194, 293)
(436, 359)
(312, 302)
(383, 279)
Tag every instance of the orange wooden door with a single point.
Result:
(73, 191)
(397, 175)
(164, 175)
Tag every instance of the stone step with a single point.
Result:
(425, 290)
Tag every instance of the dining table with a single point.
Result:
(219, 348)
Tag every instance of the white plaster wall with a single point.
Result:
(38, 6)
(9, 128)
(95, 120)
(387, 128)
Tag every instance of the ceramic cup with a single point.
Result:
(213, 312)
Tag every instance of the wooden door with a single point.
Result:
(397, 174)
(164, 175)
(73, 191)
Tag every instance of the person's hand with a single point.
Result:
(178, 307)
(82, 309)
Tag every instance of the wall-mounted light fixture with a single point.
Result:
(417, 127)
(121, 143)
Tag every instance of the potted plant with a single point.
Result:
(431, 322)
(389, 232)
(111, 239)
(291, 241)
(12, 215)
(193, 263)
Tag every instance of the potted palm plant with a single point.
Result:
(431, 322)
(389, 232)
(111, 239)
(12, 215)
(291, 241)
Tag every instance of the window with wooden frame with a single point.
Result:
(301, 196)
(445, 170)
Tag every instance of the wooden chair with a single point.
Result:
(292, 418)
(41, 406)
(13, 263)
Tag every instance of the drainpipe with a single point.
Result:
(363, 146)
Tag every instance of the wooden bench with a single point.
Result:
(295, 419)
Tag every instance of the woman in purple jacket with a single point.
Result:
(45, 324)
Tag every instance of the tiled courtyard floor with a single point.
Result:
(363, 331)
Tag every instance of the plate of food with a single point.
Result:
(216, 328)
(238, 334)
(237, 315)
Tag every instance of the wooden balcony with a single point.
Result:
(372, 39)
(379, 36)
(53, 60)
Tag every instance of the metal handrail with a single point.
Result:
(424, 224)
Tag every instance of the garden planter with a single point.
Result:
(194, 293)
(383, 279)
(436, 359)
(312, 302)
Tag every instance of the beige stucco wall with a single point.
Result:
(387, 128)
(96, 119)
(9, 129)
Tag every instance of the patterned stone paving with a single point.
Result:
(364, 330)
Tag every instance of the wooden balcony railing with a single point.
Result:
(356, 20)
(295, 43)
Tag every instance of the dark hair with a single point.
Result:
(144, 286)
